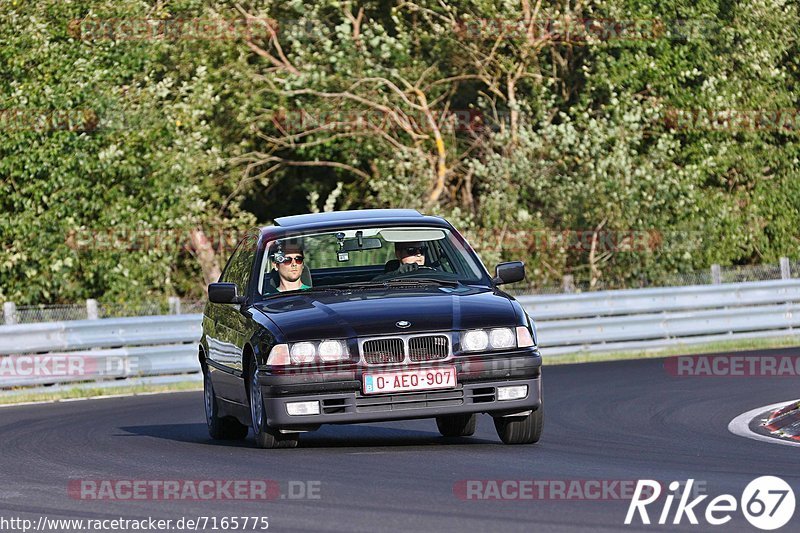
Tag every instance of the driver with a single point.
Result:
(410, 254)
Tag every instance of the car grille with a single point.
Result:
(384, 351)
(419, 348)
(428, 348)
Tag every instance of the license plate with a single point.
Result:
(410, 380)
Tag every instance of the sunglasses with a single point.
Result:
(288, 260)
(415, 250)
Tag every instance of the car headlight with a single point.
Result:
(303, 352)
(478, 340)
(502, 338)
(475, 340)
(332, 351)
(326, 351)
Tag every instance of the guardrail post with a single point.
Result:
(785, 272)
(91, 309)
(10, 313)
(716, 275)
(174, 305)
(568, 283)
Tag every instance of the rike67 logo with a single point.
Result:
(767, 503)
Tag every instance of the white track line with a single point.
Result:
(741, 425)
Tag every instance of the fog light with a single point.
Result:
(512, 393)
(302, 408)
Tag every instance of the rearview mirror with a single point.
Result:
(509, 272)
(224, 293)
(367, 243)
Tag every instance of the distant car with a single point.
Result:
(367, 341)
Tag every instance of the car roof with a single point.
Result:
(347, 216)
(298, 224)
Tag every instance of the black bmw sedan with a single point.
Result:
(366, 316)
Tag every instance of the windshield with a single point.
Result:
(362, 257)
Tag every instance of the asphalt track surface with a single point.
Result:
(622, 420)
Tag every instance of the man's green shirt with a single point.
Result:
(303, 287)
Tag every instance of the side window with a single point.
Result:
(240, 264)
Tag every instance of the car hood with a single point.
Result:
(358, 313)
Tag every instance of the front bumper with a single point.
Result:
(342, 401)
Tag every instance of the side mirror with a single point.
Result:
(510, 272)
(224, 293)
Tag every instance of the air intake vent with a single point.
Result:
(428, 348)
(383, 351)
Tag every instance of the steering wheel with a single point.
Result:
(416, 270)
(409, 273)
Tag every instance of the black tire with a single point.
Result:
(266, 437)
(520, 430)
(220, 428)
(457, 425)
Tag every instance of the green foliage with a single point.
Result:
(80, 209)
(335, 110)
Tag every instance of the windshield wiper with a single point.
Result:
(331, 288)
(422, 281)
(359, 285)
(336, 288)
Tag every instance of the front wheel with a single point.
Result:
(222, 428)
(266, 437)
(456, 425)
(520, 430)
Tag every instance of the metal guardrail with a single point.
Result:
(662, 299)
(89, 350)
(93, 365)
(114, 348)
(103, 333)
(625, 320)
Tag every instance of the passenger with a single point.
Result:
(289, 264)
